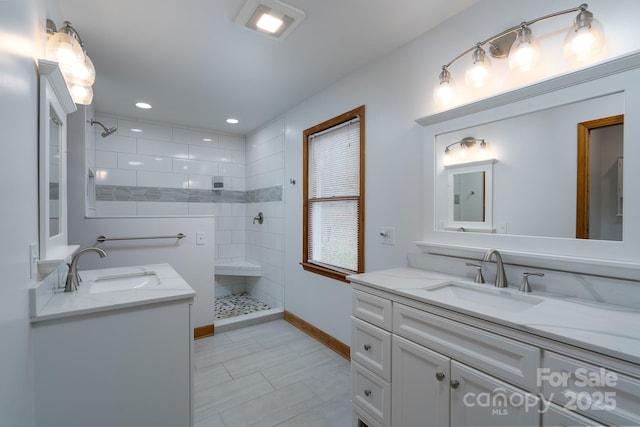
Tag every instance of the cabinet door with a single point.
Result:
(478, 399)
(420, 387)
(556, 416)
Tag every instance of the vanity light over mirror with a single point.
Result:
(547, 138)
(536, 180)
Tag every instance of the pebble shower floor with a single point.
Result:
(237, 305)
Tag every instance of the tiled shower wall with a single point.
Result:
(265, 242)
(150, 169)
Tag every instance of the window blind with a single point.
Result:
(334, 190)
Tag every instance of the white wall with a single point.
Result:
(396, 90)
(21, 42)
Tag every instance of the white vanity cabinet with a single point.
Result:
(122, 367)
(430, 385)
(448, 368)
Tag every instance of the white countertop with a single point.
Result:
(607, 329)
(61, 304)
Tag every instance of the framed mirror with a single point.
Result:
(469, 197)
(54, 104)
(533, 133)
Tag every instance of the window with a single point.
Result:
(333, 199)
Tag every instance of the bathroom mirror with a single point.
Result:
(55, 165)
(533, 135)
(536, 179)
(469, 196)
(54, 104)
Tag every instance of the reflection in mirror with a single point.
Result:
(55, 127)
(535, 177)
(600, 160)
(468, 196)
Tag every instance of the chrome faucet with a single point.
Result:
(73, 279)
(501, 276)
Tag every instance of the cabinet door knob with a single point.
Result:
(367, 347)
(367, 393)
(439, 376)
(455, 384)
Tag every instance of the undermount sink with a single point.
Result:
(124, 282)
(481, 295)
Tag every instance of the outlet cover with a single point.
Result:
(388, 235)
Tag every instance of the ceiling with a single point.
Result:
(196, 67)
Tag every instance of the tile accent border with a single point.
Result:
(339, 347)
(121, 193)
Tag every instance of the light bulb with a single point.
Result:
(83, 73)
(525, 53)
(444, 93)
(478, 73)
(585, 40)
(81, 94)
(64, 49)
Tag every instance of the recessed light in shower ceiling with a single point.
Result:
(143, 105)
(271, 17)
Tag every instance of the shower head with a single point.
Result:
(107, 131)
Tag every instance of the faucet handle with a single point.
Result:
(524, 286)
(479, 278)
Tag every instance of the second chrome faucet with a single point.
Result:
(501, 276)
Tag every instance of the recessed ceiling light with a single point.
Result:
(143, 105)
(135, 130)
(269, 23)
(270, 17)
(232, 121)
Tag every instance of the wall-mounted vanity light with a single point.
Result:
(465, 146)
(582, 44)
(65, 47)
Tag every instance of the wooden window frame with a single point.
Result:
(326, 270)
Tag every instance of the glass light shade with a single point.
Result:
(585, 40)
(83, 73)
(81, 94)
(444, 93)
(525, 53)
(65, 50)
(479, 72)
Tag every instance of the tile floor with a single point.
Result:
(270, 374)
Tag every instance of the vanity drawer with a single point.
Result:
(371, 347)
(511, 360)
(594, 391)
(556, 416)
(371, 393)
(372, 309)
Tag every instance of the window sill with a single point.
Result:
(327, 272)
